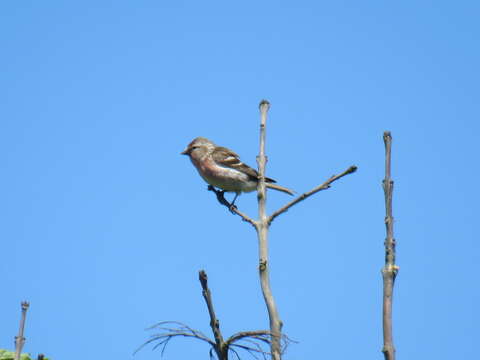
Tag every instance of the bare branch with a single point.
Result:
(251, 341)
(167, 333)
(252, 350)
(233, 209)
(220, 347)
(262, 233)
(324, 186)
(252, 334)
(180, 327)
(235, 352)
(20, 339)
(390, 270)
(255, 348)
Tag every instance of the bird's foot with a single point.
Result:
(232, 208)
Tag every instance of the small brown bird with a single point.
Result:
(222, 168)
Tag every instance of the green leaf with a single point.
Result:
(10, 355)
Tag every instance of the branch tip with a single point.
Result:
(264, 103)
(203, 277)
(351, 169)
(387, 136)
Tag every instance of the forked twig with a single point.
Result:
(262, 226)
(324, 186)
(249, 341)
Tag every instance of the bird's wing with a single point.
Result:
(227, 158)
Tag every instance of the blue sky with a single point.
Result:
(105, 225)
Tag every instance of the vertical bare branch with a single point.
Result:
(390, 270)
(220, 347)
(20, 339)
(262, 232)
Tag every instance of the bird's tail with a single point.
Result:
(279, 188)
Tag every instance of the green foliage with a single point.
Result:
(10, 355)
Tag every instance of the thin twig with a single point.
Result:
(257, 339)
(221, 199)
(324, 186)
(20, 339)
(169, 333)
(253, 350)
(235, 353)
(390, 270)
(220, 347)
(181, 327)
(252, 340)
(262, 232)
(243, 334)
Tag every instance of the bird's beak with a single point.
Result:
(185, 152)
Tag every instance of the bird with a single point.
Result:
(222, 168)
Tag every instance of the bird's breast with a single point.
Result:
(225, 178)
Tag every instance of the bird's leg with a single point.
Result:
(235, 198)
(221, 198)
(232, 208)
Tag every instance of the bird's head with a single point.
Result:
(198, 147)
